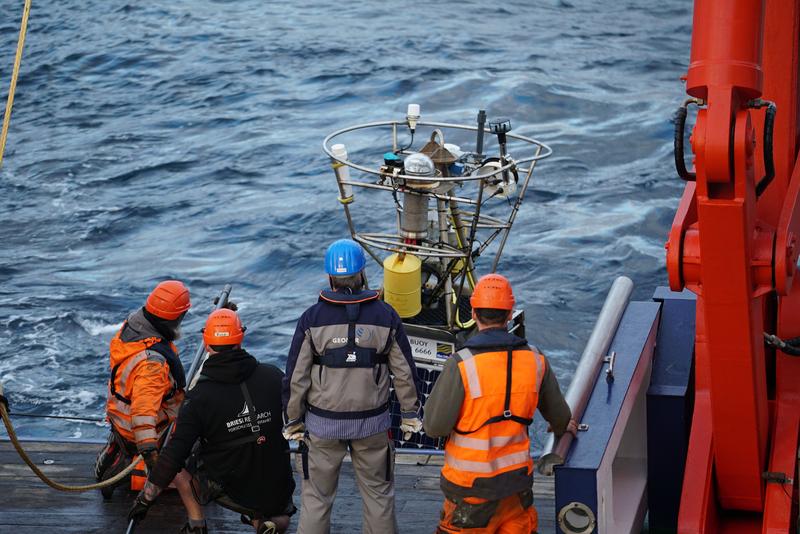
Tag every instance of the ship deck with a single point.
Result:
(28, 506)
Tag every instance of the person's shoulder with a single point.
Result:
(196, 395)
(384, 312)
(152, 360)
(268, 369)
(311, 314)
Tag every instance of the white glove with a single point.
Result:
(410, 425)
(294, 431)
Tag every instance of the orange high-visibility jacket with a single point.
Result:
(143, 396)
(489, 446)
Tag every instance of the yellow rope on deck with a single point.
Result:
(23, 29)
(44, 478)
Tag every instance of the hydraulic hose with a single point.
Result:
(680, 126)
(38, 472)
(769, 131)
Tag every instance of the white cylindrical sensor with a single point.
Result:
(412, 116)
(342, 172)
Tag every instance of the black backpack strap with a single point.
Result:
(174, 363)
(251, 410)
(255, 436)
(351, 355)
(113, 381)
(328, 360)
(352, 316)
(361, 414)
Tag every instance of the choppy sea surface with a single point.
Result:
(183, 139)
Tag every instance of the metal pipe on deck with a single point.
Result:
(580, 389)
(200, 354)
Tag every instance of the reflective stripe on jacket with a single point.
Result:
(143, 396)
(490, 439)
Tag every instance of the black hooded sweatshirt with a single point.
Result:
(257, 476)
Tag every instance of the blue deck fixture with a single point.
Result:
(670, 400)
(605, 476)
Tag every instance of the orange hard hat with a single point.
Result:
(223, 327)
(169, 300)
(493, 291)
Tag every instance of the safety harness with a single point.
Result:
(506, 415)
(163, 348)
(352, 356)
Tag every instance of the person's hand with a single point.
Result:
(294, 431)
(572, 428)
(231, 305)
(150, 458)
(140, 507)
(410, 425)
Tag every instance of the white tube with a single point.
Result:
(580, 389)
(342, 173)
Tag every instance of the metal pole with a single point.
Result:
(513, 215)
(468, 265)
(441, 207)
(589, 365)
(220, 302)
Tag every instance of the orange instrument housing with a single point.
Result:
(737, 250)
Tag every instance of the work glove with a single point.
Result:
(231, 305)
(150, 457)
(410, 425)
(140, 507)
(294, 431)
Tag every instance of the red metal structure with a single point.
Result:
(734, 242)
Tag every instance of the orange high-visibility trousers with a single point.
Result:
(509, 517)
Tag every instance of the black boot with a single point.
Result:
(187, 529)
(268, 527)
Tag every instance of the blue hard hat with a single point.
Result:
(344, 257)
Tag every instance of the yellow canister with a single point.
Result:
(402, 284)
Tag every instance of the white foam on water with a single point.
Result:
(85, 398)
(98, 328)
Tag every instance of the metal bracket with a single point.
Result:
(610, 361)
(776, 477)
(583, 427)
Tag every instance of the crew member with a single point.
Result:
(336, 392)
(147, 382)
(242, 461)
(484, 401)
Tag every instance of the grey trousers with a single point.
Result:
(373, 463)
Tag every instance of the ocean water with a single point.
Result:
(183, 139)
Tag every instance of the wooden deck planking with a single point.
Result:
(27, 505)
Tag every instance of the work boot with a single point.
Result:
(188, 529)
(107, 492)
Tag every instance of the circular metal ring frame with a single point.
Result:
(395, 243)
(583, 512)
(542, 152)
